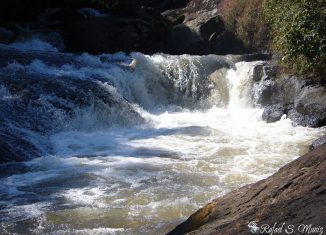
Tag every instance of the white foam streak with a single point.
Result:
(146, 178)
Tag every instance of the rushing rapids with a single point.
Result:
(118, 144)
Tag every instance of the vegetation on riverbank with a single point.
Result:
(299, 33)
(294, 30)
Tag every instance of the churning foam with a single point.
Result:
(147, 178)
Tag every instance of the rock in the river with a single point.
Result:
(295, 195)
(303, 102)
(273, 113)
(15, 148)
(318, 142)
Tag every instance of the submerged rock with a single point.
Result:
(294, 195)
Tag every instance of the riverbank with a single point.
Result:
(295, 195)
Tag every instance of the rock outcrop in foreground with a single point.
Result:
(295, 195)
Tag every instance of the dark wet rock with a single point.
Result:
(226, 43)
(262, 71)
(186, 27)
(312, 115)
(302, 102)
(175, 15)
(258, 72)
(268, 69)
(111, 34)
(207, 26)
(318, 142)
(66, 15)
(6, 36)
(199, 30)
(14, 148)
(183, 38)
(296, 194)
(34, 105)
(27, 11)
(273, 113)
(12, 168)
(266, 93)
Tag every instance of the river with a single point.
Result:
(162, 142)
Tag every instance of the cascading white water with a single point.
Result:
(147, 177)
(241, 82)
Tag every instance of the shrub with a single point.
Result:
(299, 33)
(246, 20)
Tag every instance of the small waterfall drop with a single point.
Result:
(120, 149)
(240, 85)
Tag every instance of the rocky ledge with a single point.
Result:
(147, 26)
(300, 98)
(295, 195)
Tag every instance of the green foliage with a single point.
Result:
(299, 33)
(246, 20)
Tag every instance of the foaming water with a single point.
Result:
(145, 178)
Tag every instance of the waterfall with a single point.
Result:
(128, 144)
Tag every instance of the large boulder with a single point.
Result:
(198, 29)
(295, 195)
(303, 102)
(112, 34)
(183, 38)
(273, 113)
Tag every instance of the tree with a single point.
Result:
(299, 33)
